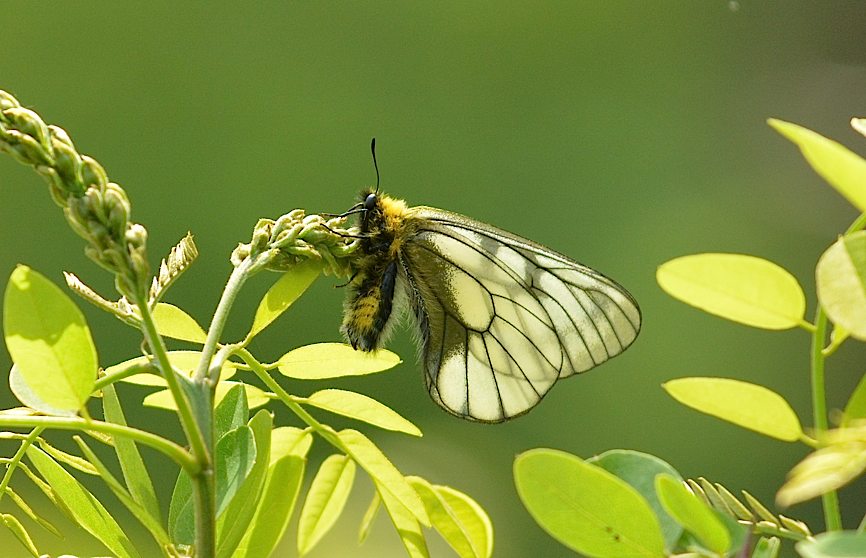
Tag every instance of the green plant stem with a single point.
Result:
(173, 451)
(236, 280)
(125, 373)
(12, 464)
(858, 224)
(830, 500)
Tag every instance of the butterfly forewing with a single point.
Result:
(503, 318)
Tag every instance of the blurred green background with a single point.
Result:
(620, 133)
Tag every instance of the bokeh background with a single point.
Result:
(620, 133)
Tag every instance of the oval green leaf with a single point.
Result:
(283, 294)
(837, 544)
(49, 342)
(740, 288)
(841, 282)
(748, 405)
(360, 407)
(640, 471)
(164, 400)
(823, 470)
(288, 440)
(693, 514)
(406, 523)
(333, 360)
(325, 500)
(471, 515)
(586, 508)
(173, 322)
(843, 169)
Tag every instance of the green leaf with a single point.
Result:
(151, 522)
(369, 517)
(182, 361)
(469, 534)
(135, 473)
(20, 533)
(274, 511)
(72, 460)
(325, 500)
(823, 470)
(232, 411)
(586, 508)
(640, 471)
(333, 360)
(741, 288)
(283, 294)
(164, 399)
(387, 477)
(856, 407)
(744, 404)
(173, 322)
(836, 544)
(49, 342)
(28, 511)
(288, 440)
(235, 457)
(842, 169)
(19, 387)
(181, 518)
(767, 547)
(693, 514)
(88, 512)
(360, 407)
(405, 521)
(234, 522)
(841, 282)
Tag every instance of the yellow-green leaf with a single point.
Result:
(173, 322)
(325, 500)
(843, 169)
(49, 342)
(332, 360)
(458, 518)
(288, 440)
(693, 514)
(405, 522)
(841, 281)
(283, 294)
(741, 288)
(360, 407)
(824, 470)
(164, 400)
(748, 405)
(11, 523)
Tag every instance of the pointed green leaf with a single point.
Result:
(135, 473)
(372, 460)
(234, 522)
(232, 411)
(173, 322)
(274, 511)
(360, 407)
(405, 522)
(841, 282)
(283, 294)
(49, 342)
(184, 361)
(369, 518)
(72, 460)
(333, 360)
(89, 513)
(744, 404)
(28, 511)
(325, 500)
(164, 399)
(640, 471)
(150, 522)
(767, 547)
(856, 407)
(823, 470)
(469, 534)
(20, 533)
(698, 518)
(741, 288)
(235, 457)
(843, 169)
(586, 508)
(835, 544)
(181, 521)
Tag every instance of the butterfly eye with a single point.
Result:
(370, 202)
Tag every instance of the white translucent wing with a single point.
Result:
(503, 318)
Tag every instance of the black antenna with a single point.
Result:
(375, 164)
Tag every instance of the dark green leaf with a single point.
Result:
(232, 411)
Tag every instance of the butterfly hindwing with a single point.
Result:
(503, 318)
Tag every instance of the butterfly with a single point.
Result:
(499, 318)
